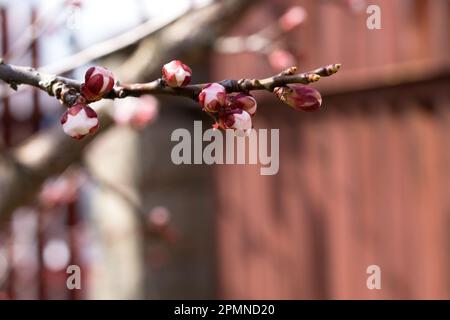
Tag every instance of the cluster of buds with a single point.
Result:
(230, 110)
(80, 120)
(234, 111)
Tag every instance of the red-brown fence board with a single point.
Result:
(364, 182)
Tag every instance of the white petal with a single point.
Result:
(212, 91)
(242, 121)
(79, 124)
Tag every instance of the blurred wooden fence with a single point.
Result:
(27, 274)
(363, 182)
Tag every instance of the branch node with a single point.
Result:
(313, 77)
(289, 71)
(46, 83)
(13, 85)
(121, 93)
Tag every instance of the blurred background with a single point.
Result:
(364, 181)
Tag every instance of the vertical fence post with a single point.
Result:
(6, 133)
(35, 63)
(35, 120)
(6, 118)
(42, 285)
(72, 226)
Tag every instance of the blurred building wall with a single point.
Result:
(183, 266)
(362, 182)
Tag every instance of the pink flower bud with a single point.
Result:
(79, 121)
(237, 119)
(242, 101)
(212, 97)
(299, 97)
(98, 82)
(176, 74)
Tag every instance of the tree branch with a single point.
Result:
(67, 90)
(54, 85)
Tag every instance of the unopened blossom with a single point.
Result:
(242, 101)
(299, 97)
(212, 97)
(236, 119)
(98, 82)
(79, 121)
(176, 73)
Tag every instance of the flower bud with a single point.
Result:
(299, 97)
(237, 119)
(212, 97)
(242, 101)
(79, 121)
(176, 74)
(98, 82)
